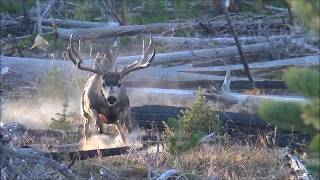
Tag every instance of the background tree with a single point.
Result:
(301, 117)
(308, 12)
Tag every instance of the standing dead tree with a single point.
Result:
(110, 6)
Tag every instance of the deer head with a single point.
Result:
(110, 79)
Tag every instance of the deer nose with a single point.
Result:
(111, 100)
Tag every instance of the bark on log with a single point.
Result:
(184, 42)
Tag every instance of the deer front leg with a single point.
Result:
(121, 131)
(127, 120)
(86, 132)
(95, 125)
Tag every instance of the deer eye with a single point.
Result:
(119, 85)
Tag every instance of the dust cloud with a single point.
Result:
(105, 141)
(34, 114)
(37, 113)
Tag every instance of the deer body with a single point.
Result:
(93, 103)
(104, 99)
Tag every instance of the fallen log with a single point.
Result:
(41, 67)
(235, 84)
(102, 32)
(171, 79)
(184, 42)
(208, 54)
(17, 80)
(88, 154)
(190, 94)
(63, 23)
(119, 31)
(300, 61)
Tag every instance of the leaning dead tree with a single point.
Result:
(239, 46)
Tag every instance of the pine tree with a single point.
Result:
(184, 133)
(308, 13)
(302, 117)
(62, 123)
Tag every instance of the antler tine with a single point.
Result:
(144, 61)
(146, 51)
(73, 55)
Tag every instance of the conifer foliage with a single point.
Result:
(62, 123)
(184, 133)
(302, 117)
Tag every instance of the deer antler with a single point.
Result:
(144, 61)
(73, 55)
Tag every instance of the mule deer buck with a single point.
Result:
(104, 99)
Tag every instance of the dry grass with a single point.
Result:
(223, 160)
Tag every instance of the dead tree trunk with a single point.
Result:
(239, 46)
(118, 31)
